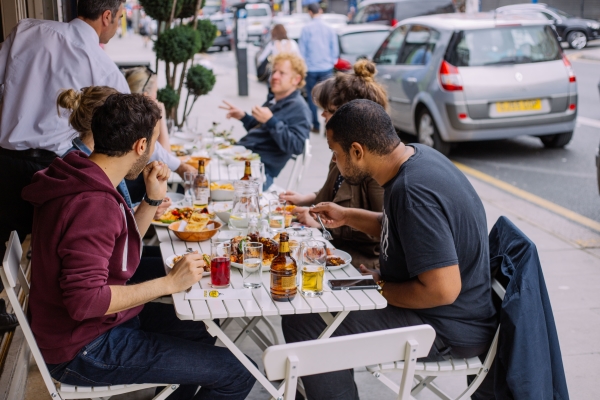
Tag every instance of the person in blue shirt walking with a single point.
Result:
(319, 47)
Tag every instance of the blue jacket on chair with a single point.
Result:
(528, 362)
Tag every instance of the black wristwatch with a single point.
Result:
(153, 203)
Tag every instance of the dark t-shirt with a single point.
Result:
(433, 218)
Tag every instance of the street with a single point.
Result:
(566, 176)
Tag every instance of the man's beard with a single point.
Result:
(354, 176)
(139, 165)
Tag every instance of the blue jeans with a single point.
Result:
(158, 347)
(312, 78)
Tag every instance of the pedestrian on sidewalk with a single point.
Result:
(279, 128)
(319, 46)
(279, 44)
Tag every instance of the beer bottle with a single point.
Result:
(283, 272)
(201, 187)
(247, 172)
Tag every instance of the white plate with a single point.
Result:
(158, 223)
(231, 150)
(186, 135)
(169, 264)
(344, 256)
(175, 197)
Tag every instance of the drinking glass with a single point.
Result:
(188, 182)
(300, 234)
(252, 266)
(220, 264)
(313, 256)
(277, 215)
(245, 205)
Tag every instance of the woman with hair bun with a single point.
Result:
(80, 106)
(330, 95)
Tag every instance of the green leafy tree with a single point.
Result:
(198, 81)
(169, 97)
(160, 10)
(208, 34)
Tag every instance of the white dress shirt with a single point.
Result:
(38, 60)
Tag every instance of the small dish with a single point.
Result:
(344, 256)
(195, 236)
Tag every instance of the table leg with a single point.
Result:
(332, 324)
(214, 330)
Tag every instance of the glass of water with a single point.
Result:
(252, 267)
(277, 215)
(188, 181)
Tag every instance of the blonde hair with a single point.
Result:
(82, 104)
(334, 92)
(140, 79)
(297, 62)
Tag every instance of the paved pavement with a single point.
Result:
(570, 253)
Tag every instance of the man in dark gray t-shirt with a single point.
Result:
(434, 261)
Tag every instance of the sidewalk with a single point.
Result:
(570, 254)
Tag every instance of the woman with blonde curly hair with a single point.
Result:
(330, 95)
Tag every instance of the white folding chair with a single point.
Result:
(426, 372)
(294, 360)
(300, 164)
(11, 272)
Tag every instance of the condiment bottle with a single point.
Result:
(247, 172)
(283, 272)
(201, 187)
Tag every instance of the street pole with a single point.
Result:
(241, 44)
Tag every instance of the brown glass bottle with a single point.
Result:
(247, 172)
(283, 272)
(201, 187)
(253, 230)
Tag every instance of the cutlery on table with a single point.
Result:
(326, 233)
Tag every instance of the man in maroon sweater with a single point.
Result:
(92, 328)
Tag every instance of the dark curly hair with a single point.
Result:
(364, 122)
(93, 9)
(121, 121)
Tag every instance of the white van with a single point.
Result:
(259, 20)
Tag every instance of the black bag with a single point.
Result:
(263, 71)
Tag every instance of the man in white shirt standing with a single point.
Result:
(37, 61)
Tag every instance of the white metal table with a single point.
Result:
(248, 312)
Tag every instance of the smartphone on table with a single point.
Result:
(353, 284)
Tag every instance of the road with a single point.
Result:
(566, 176)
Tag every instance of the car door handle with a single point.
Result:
(411, 79)
(386, 76)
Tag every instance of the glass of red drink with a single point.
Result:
(220, 265)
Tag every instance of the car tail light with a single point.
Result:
(450, 77)
(572, 107)
(343, 65)
(462, 116)
(569, 69)
(394, 21)
(229, 30)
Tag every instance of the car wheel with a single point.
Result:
(556, 141)
(577, 40)
(428, 133)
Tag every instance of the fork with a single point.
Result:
(326, 233)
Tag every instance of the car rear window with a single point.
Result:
(505, 45)
(362, 43)
(257, 12)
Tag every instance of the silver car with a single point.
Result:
(465, 77)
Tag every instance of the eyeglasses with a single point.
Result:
(150, 74)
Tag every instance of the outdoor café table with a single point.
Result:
(249, 312)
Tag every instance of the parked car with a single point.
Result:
(359, 41)
(334, 20)
(573, 30)
(258, 21)
(465, 77)
(224, 24)
(389, 12)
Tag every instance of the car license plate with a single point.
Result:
(218, 33)
(520, 105)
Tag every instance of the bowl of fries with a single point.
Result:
(210, 230)
(221, 191)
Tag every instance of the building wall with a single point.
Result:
(591, 8)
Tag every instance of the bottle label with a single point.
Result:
(282, 283)
(284, 247)
(202, 196)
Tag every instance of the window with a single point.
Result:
(375, 12)
(257, 12)
(362, 43)
(390, 49)
(513, 45)
(418, 46)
